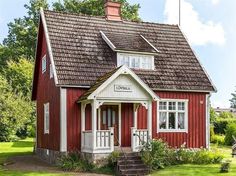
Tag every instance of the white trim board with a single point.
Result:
(48, 44)
(63, 120)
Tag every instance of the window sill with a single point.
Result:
(172, 131)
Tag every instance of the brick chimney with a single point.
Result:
(112, 10)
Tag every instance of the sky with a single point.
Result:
(209, 26)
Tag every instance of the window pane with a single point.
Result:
(172, 105)
(162, 120)
(47, 121)
(181, 120)
(109, 117)
(181, 106)
(171, 120)
(104, 117)
(113, 117)
(163, 105)
(126, 61)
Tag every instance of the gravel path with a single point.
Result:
(33, 163)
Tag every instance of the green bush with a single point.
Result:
(230, 131)
(158, 154)
(218, 139)
(220, 124)
(73, 162)
(112, 158)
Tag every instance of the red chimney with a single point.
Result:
(113, 10)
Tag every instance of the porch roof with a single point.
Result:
(110, 76)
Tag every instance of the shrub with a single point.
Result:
(218, 139)
(158, 155)
(220, 124)
(112, 158)
(225, 166)
(212, 133)
(230, 131)
(73, 162)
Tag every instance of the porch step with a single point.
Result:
(130, 164)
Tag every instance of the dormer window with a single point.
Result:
(135, 61)
(133, 50)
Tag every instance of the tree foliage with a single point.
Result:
(96, 8)
(15, 111)
(233, 100)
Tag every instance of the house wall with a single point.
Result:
(47, 92)
(196, 136)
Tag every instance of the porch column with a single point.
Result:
(83, 106)
(135, 109)
(149, 120)
(94, 123)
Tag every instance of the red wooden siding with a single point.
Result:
(47, 92)
(196, 136)
(73, 119)
(126, 123)
(88, 117)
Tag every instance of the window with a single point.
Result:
(44, 64)
(46, 118)
(51, 71)
(136, 61)
(172, 116)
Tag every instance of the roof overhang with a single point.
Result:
(122, 70)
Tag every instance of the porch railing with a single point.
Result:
(104, 141)
(138, 137)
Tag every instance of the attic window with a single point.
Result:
(136, 61)
(44, 63)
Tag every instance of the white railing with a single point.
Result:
(104, 141)
(138, 138)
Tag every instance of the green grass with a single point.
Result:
(22, 147)
(200, 170)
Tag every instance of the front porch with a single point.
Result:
(106, 131)
(114, 101)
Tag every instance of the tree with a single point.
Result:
(213, 115)
(22, 34)
(19, 76)
(233, 100)
(15, 111)
(96, 8)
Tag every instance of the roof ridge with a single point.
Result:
(103, 18)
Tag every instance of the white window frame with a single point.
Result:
(139, 56)
(176, 116)
(46, 120)
(44, 64)
(51, 71)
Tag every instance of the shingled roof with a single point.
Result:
(81, 56)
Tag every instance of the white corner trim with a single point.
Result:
(48, 45)
(150, 44)
(208, 121)
(124, 70)
(63, 120)
(107, 40)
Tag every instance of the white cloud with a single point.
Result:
(197, 31)
(215, 2)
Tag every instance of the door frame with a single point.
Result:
(119, 118)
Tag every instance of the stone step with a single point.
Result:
(136, 171)
(129, 158)
(133, 166)
(122, 162)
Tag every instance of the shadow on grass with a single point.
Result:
(23, 144)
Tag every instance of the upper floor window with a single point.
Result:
(44, 63)
(136, 61)
(46, 118)
(172, 116)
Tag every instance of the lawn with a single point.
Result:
(23, 147)
(200, 170)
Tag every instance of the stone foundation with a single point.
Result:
(50, 156)
(100, 159)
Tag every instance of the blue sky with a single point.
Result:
(209, 26)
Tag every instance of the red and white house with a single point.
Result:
(101, 83)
